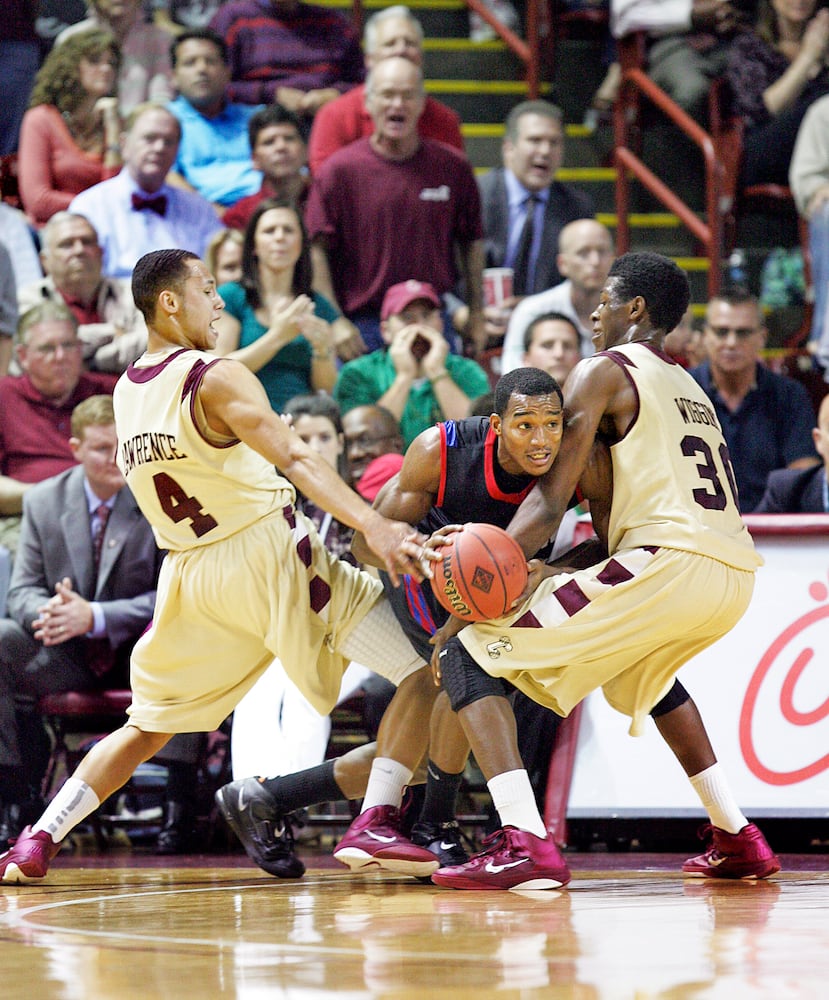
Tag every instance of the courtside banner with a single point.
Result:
(763, 691)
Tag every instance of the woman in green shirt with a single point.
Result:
(273, 322)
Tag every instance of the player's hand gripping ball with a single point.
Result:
(481, 572)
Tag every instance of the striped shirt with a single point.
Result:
(308, 48)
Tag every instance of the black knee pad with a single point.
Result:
(463, 680)
(673, 699)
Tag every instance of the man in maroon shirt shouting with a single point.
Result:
(392, 205)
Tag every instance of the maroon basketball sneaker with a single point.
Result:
(512, 859)
(28, 858)
(733, 855)
(374, 840)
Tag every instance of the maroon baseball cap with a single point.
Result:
(403, 294)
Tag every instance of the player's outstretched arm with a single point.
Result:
(408, 495)
(236, 404)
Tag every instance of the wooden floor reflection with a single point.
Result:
(117, 928)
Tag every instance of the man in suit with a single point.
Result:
(802, 491)
(766, 418)
(524, 208)
(71, 622)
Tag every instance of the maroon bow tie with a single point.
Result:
(157, 204)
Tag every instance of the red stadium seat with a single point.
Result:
(68, 712)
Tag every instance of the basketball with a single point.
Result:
(481, 572)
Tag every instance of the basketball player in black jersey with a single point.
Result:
(477, 469)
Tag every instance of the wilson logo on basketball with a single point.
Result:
(450, 591)
(484, 572)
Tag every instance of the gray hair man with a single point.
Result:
(393, 31)
(112, 331)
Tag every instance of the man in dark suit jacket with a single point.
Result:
(533, 150)
(71, 625)
(801, 491)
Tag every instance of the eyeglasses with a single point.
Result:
(389, 96)
(366, 441)
(50, 350)
(740, 332)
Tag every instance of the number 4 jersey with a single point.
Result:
(673, 484)
(193, 489)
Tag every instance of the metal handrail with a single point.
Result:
(527, 51)
(708, 231)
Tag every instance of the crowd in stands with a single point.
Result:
(350, 240)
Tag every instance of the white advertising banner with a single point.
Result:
(762, 690)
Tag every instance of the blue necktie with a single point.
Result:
(521, 266)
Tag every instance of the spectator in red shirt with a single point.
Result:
(37, 407)
(112, 331)
(393, 205)
(393, 31)
(69, 138)
(279, 150)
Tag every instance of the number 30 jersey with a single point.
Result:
(673, 484)
(192, 490)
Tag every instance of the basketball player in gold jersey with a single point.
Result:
(680, 575)
(246, 577)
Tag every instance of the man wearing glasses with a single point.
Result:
(37, 406)
(766, 418)
(370, 433)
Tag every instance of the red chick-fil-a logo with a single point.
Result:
(790, 655)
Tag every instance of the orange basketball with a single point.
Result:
(481, 572)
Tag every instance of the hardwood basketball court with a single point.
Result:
(123, 925)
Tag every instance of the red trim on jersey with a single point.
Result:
(442, 480)
(489, 473)
(662, 354)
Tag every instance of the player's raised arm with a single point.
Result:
(236, 404)
(590, 390)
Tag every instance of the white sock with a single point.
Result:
(74, 801)
(715, 794)
(512, 795)
(386, 782)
